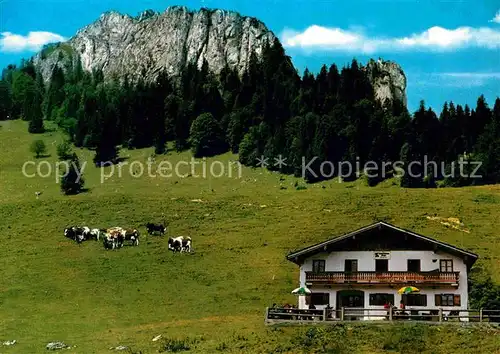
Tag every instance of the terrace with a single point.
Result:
(383, 278)
(431, 315)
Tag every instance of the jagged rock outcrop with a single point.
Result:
(152, 42)
(388, 80)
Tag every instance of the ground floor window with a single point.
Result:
(415, 299)
(318, 299)
(381, 299)
(447, 300)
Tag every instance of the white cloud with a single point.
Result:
(455, 79)
(435, 38)
(492, 75)
(34, 41)
(496, 19)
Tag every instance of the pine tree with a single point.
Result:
(55, 93)
(36, 119)
(72, 182)
(488, 147)
(5, 100)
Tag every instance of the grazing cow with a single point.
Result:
(75, 233)
(69, 232)
(117, 234)
(174, 244)
(95, 233)
(132, 235)
(86, 232)
(186, 245)
(152, 228)
(114, 237)
(108, 241)
(179, 244)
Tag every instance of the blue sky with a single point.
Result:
(449, 50)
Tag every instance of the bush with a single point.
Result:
(38, 148)
(331, 339)
(407, 339)
(484, 294)
(64, 151)
(68, 125)
(174, 345)
(206, 136)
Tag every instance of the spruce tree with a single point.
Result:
(36, 118)
(5, 100)
(73, 182)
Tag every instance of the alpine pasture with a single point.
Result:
(211, 300)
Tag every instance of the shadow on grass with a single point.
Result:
(115, 162)
(82, 191)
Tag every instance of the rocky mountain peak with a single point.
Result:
(153, 42)
(145, 45)
(388, 80)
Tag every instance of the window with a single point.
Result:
(318, 266)
(447, 300)
(381, 265)
(446, 265)
(318, 299)
(381, 299)
(351, 265)
(415, 299)
(414, 265)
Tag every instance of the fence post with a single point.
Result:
(440, 315)
(481, 314)
(267, 313)
(390, 313)
(324, 314)
(342, 313)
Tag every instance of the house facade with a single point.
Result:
(367, 267)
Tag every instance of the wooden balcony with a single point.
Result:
(404, 278)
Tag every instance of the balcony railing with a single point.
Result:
(438, 278)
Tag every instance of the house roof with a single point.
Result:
(469, 257)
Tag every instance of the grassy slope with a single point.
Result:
(52, 289)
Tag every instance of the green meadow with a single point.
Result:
(212, 300)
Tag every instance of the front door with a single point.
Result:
(351, 299)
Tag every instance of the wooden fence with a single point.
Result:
(277, 315)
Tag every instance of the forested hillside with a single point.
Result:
(269, 111)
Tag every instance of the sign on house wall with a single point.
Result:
(382, 255)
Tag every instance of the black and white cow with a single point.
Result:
(152, 228)
(75, 233)
(179, 244)
(132, 235)
(95, 234)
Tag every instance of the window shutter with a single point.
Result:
(308, 299)
(437, 300)
(456, 300)
(423, 299)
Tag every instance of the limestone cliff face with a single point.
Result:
(152, 42)
(388, 80)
